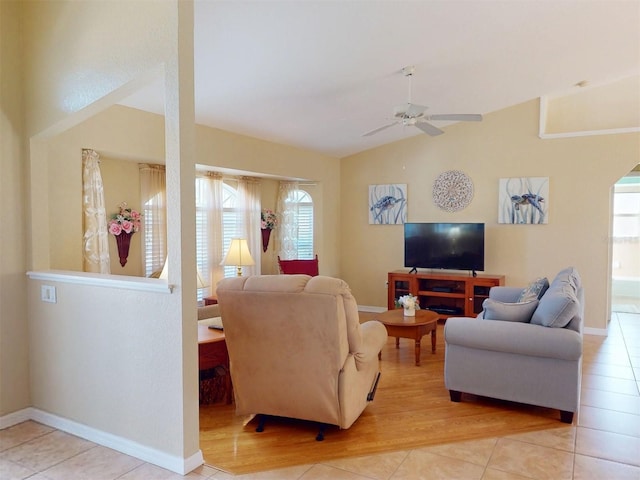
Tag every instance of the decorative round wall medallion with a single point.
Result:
(452, 191)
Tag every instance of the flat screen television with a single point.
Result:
(451, 246)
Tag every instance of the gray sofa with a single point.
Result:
(526, 350)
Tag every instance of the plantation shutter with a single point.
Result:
(305, 226)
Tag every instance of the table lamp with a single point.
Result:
(199, 281)
(238, 255)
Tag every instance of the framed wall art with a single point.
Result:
(523, 200)
(388, 204)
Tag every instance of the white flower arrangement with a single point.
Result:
(408, 301)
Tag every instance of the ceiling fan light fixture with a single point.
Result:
(411, 114)
(408, 70)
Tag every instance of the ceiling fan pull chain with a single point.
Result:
(408, 72)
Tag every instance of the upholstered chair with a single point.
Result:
(306, 267)
(297, 348)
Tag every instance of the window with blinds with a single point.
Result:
(229, 226)
(202, 237)
(229, 222)
(154, 248)
(304, 204)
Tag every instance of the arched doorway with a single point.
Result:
(625, 282)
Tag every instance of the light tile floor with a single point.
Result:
(604, 442)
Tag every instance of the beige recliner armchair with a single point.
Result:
(297, 348)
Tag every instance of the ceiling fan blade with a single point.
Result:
(429, 129)
(463, 117)
(379, 129)
(413, 110)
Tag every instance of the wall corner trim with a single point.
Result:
(542, 126)
(103, 280)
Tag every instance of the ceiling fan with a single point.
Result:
(411, 114)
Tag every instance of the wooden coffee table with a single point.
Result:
(414, 328)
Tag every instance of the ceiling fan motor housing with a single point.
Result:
(402, 111)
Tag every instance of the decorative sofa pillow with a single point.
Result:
(534, 290)
(559, 304)
(557, 307)
(509, 312)
(569, 276)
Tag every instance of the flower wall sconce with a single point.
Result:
(122, 226)
(268, 221)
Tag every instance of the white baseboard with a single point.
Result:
(367, 308)
(123, 445)
(15, 418)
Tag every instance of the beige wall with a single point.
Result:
(80, 52)
(615, 105)
(122, 145)
(14, 345)
(121, 181)
(581, 172)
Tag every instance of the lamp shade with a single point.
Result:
(238, 255)
(199, 281)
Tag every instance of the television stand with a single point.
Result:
(413, 270)
(474, 273)
(449, 294)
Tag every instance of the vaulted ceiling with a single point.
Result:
(319, 74)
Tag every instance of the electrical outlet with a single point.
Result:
(48, 293)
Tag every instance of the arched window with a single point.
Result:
(154, 221)
(230, 222)
(203, 227)
(303, 203)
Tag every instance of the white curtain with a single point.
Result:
(153, 195)
(249, 218)
(96, 238)
(212, 237)
(287, 238)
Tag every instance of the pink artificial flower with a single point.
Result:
(263, 224)
(127, 226)
(115, 228)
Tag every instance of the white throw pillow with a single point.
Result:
(509, 312)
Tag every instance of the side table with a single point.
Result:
(210, 300)
(415, 328)
(213, 354)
